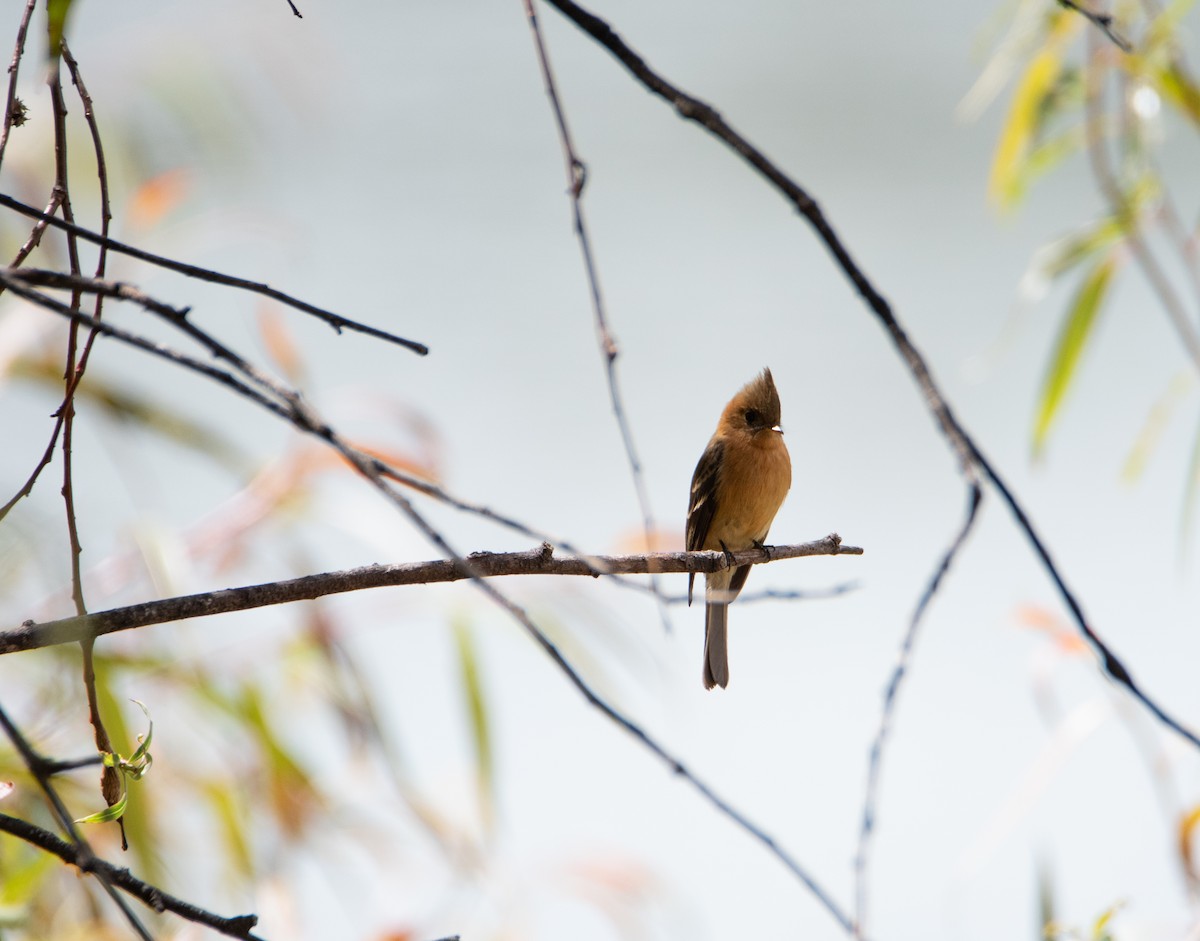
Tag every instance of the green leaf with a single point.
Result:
(56, 23)
(141, 760)
(477, 713)
(1077, 248)
(1075, 333)
(1041, 159)
(134, 767)
(111, 812)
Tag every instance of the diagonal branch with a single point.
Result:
(304, 419)
(861, 859)
(239, 926)
(1102, 22)
(31, 635)
(337, 321)
(970, 458)
(42, 770)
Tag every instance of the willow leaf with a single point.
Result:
(1075, 333)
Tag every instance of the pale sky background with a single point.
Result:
(398, 163)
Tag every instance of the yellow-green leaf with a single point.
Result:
(1027, 113)
(56, 23)
(1154, 425)
(1191, 482)
(478, 715)
(1163, 31)
(1076, 330)
(1177, 87)
(111, 812)
(1078, 247)
(1100, 930)
(223, 802)
(22, 877)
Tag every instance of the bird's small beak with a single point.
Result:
(778, 428)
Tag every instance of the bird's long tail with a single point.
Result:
(716, 651)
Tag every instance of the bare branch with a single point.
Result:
(974, 497)
(14, 66)
(239, 926)
(970, 457)
(577, 179)
(337, 321)
(304, 419)
(541, 561)
(18, 287)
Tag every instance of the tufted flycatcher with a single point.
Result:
(737, 489)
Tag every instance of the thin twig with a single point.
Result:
(540, 561)
(18, 287)
(1102, 21)
(337, 321)
(903, 657)
(576, 180)
(39, 228)
(962, 444)
(14, 67)
(110, 780)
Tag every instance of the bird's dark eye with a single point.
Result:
(753, 417)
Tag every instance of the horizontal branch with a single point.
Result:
(542, 561)
(239, 926)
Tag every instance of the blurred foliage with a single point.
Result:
(1079, 103)
(276, 753)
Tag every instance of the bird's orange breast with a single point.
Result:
(753, 481)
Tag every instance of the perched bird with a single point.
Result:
(737, 489)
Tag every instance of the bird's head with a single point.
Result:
(755, 409)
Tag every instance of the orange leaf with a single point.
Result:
(277, 340)
(1187, 829)
(157, 197)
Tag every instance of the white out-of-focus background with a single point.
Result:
(399, 164)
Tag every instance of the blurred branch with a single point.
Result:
(540, 561)
(337, 321)
(861, 859)
(1123, 209)
(971, 458)
(1102, 21)
(239, 926)
(43, 769)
